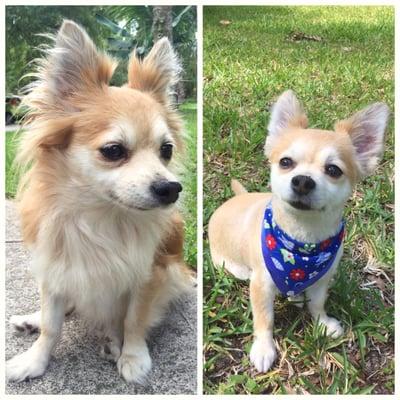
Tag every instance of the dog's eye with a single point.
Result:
(333, 171)
(286, 162)
(113, 151)
(166, 151)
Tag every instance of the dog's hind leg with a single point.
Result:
(30, 323)
(26, 324)
(297, 300)
(110, 349)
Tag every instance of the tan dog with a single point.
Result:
(98, 201)
(313, 173)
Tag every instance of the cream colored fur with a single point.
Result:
(235, 227)
(101, 244)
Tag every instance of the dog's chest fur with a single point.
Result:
(97, 257)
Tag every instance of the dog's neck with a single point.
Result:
(306, 226)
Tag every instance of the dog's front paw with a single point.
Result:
(333, 327)
(263, 354)
(134, 368)
(30, 364)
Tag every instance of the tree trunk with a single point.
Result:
(162, 23)
(162, 27)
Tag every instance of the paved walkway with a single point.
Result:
(76, 367)
(10, 128)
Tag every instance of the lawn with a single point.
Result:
(337, 60)
(189, 113)
(11, 173)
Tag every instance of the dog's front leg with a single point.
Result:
(316, 297)
(33, 362)
(135, 362)
(262, 296)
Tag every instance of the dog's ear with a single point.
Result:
(74, 66)
(286, 113)
(70, 75)
(367, 130)
(157, 73)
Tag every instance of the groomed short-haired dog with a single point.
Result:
(290, 241)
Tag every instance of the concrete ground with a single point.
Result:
(10, 128)
(76, 367)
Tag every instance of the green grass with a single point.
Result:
(189, 113)
(11, 173)
(247, 64)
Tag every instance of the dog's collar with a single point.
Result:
(293, 265)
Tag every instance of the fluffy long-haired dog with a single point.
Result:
(97, 203)
(291, 240)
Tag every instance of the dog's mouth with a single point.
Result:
(303, 206)
(299, 205)
(116, 199)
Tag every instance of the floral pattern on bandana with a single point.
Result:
(294, 266)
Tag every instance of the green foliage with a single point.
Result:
(118, 29)
(188, 111)
(247, 64)
(25, 23)
(129, 28)
(11, 171)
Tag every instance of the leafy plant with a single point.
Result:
(130, 27)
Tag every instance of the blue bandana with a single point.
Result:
(294, 266)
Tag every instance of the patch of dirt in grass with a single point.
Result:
(297, 36)
(378, 369)
(227, 365)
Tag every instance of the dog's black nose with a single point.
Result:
(165, 191)
(302, 184)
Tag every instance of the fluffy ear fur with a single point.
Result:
(157, 73)
(72, 69)
(75, 64)
(366, 130)
(286, 112)
(72, 73)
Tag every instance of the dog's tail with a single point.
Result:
(237, 187)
